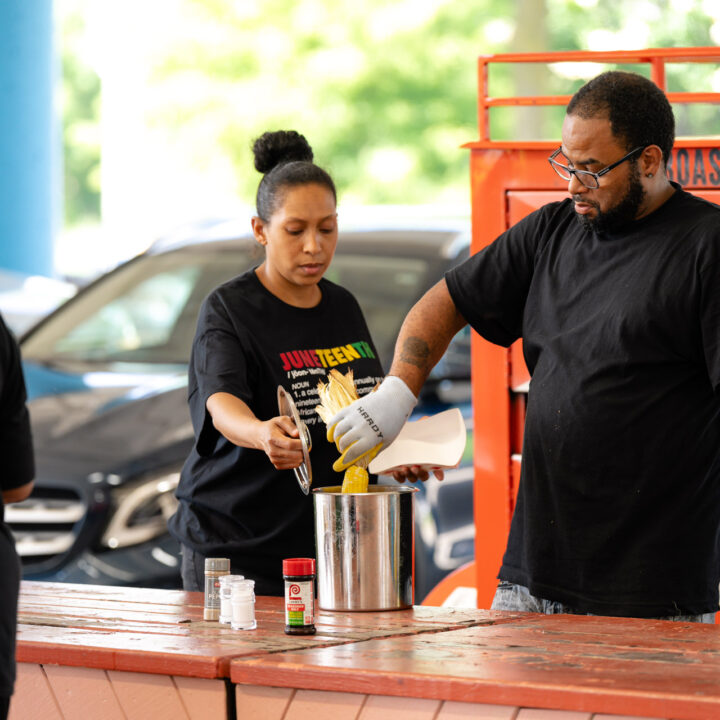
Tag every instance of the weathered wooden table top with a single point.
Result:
(163, 631)
(621, 666)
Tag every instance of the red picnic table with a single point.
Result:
(89, 652)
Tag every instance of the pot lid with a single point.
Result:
(286, 405)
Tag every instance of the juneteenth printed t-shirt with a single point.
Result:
(233, 502)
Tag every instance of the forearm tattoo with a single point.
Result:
(415, 351)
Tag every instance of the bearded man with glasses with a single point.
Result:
(615, 292)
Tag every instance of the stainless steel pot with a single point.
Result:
(364, 545)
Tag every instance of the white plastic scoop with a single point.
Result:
(435, 442)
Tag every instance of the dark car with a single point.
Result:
(25, 299)
(107, 379)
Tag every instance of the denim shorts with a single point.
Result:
(517, 598)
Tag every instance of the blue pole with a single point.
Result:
(29, 185)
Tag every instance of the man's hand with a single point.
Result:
(413, 473)
(371, 423)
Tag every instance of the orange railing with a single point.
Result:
(656, 58)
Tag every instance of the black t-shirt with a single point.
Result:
(618, 510)
(233, 502)
(18, 468)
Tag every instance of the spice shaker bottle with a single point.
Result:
(226, 583)
(299, 576)
(214, 569)
(243, 605)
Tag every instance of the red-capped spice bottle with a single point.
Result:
(299, 576)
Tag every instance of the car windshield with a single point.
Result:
(146, 311)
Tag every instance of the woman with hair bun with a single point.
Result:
(280, 323)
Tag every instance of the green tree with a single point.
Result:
(385, 94)
(80, 126)
(385, 90)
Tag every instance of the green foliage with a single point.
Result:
(80, 133)
(384, 90)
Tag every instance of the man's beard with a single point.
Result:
(623, 213)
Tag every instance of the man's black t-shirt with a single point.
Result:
(18, 468)
(618, 509)
(233, 502)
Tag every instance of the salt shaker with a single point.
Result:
(226, 582)
(243, 605)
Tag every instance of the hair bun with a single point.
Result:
(282, 146)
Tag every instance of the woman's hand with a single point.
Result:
(278, 437)
(413, 473)
(280, 440)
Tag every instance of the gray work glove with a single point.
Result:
(371, 423)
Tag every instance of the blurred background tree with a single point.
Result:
(80, 99)
(384, 90)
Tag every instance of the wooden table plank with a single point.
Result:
(147, 596)
(650, 668)
(134, 628)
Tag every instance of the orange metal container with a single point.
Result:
(508, 181)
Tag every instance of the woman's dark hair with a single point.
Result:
(638, 111)
(285, 157)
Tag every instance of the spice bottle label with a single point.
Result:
(299, 603)
(212, 592)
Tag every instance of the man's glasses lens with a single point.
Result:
(560, 163)
(561, 166)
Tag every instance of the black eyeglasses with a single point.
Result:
(587, 178)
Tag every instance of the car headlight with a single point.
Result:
(141, 511)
